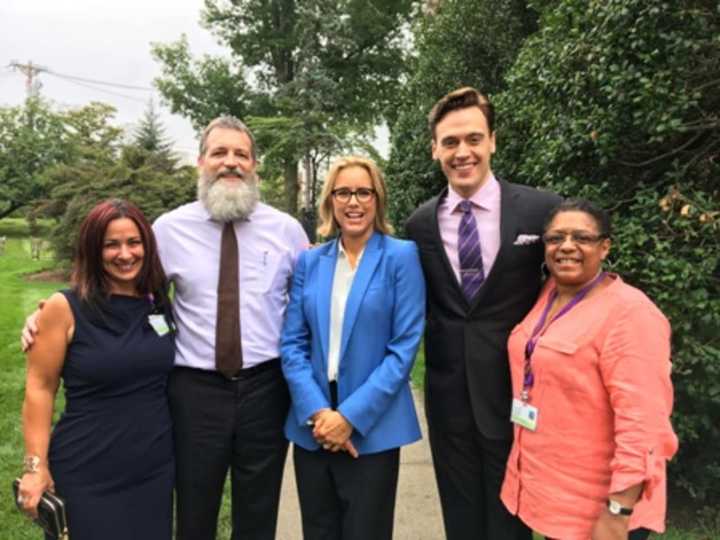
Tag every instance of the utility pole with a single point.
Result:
(30, 70)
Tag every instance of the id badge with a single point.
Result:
(159, 324)
(524, 414)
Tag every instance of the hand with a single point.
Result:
(332, 428)
(32, 486)
(30, 330)
(610, 527)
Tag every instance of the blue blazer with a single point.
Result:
(382, 328)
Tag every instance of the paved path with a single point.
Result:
(417, 510)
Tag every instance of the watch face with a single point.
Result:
(616, 509)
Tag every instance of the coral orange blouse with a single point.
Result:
(604, 397)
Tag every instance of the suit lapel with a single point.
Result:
(326, 274)
(437, 240)
(365, 271)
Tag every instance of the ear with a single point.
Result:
(433, 150)
(605, 248)
(492, 142)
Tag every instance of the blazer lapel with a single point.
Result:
(437, 240)
(326, 274)
(370, 259)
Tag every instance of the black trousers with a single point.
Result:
(218, 425)
(342, 498)
(469, 469)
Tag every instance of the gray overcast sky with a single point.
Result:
(103, 40)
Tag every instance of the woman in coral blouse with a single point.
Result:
(592, 395)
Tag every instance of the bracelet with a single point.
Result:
(31, 464)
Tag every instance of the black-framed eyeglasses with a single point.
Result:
(343, 195)
(576, 237)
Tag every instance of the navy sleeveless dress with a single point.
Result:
(111, 452)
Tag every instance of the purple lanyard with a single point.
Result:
(528, 377)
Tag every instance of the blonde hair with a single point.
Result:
(328, 226)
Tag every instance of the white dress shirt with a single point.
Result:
(269, 243)
(342, 283)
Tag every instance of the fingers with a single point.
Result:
(30, 330)
(349, 447)
(28, 503)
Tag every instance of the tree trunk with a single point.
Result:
(290, 173)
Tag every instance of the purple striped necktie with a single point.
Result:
(472, 273)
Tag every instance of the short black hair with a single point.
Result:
(599, 216)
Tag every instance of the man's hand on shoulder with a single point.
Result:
(30, 330)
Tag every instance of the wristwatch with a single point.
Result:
(616, 509)
(31, 464)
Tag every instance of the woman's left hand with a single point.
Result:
(610, 527)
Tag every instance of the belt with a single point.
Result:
(243, 374)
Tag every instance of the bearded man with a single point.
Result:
(230, 259)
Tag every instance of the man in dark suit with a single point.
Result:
(481, 252)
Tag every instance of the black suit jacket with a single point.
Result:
(467, 371)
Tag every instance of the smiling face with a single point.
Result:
(574, 263)
(464, 145)
(228, 156)
(123, 255)
(355, 219)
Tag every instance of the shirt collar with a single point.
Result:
(482, 198)
(343, 254)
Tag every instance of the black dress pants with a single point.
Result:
(469, 469)
(342, 498)
(222, 424)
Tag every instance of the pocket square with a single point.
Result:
(525, 239)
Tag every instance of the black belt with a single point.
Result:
(243, 374)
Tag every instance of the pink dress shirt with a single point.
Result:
(486, 209)
(604, 397)
(269, 243)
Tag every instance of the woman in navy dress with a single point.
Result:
(109, 339)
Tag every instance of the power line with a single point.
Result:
(103, 90)
(95, 81)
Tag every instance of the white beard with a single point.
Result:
(228, 202)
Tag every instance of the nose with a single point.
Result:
(462, 150)
(231, 160)
(124, 252)
(567, 244)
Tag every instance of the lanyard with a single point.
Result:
(528, 376)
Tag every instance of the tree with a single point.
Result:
(458, 43)
(101, 167)
(324, 68)
(618, 102)
(32, 138)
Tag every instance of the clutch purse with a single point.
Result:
(51, 513)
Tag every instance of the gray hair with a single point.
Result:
(227, 122)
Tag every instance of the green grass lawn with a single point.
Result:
(18, 297)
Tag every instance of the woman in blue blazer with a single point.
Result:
(352, 329)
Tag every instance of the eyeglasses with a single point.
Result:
(576, 237)
(343, 195)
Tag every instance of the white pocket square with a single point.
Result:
(525, 239)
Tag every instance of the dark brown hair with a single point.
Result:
(462, 98)
(89, 279)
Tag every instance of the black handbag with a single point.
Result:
(51, 513)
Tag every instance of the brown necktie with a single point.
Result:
(228, 351)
